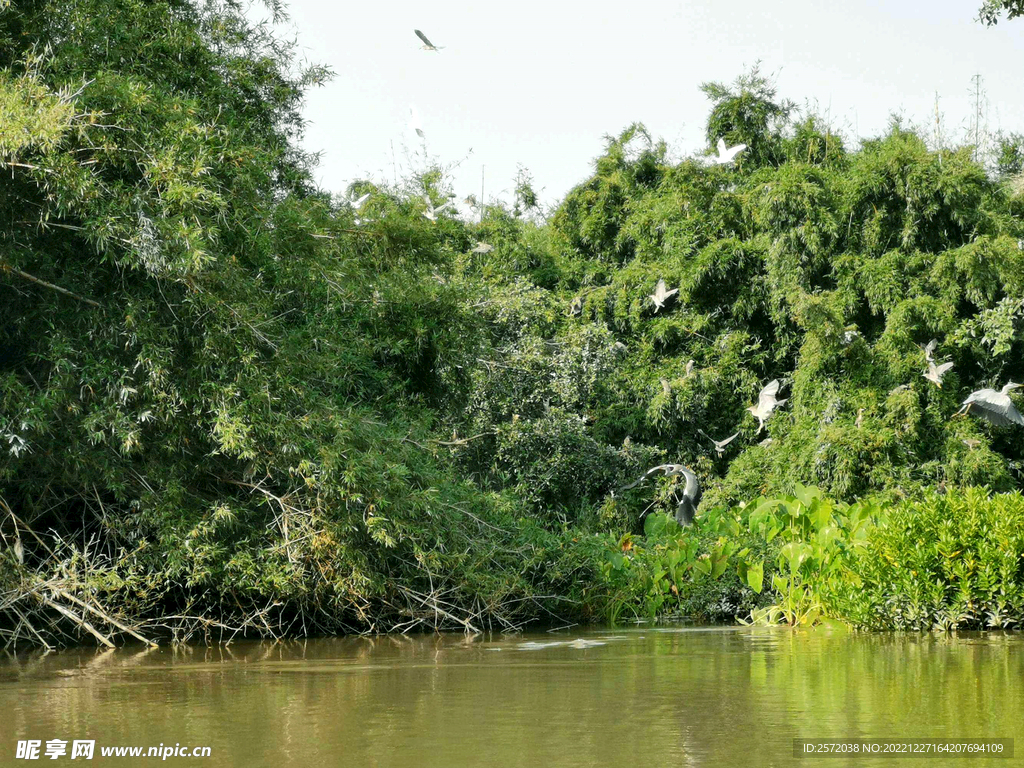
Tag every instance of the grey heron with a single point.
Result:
(767, 402)
(427, 45)
(719, 444)
(686, 507)
(661, 295)
(935, 372)
(995, 407)
(727, 154)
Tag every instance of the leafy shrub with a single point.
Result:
(953, 561)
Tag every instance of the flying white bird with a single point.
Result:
(427, 45)
(719, 444)
(431, 212)
(727, 154)
(935, 372)
(929, 350)
(661, 295)
(995, 407)
(414, 122)
(766, 403)
(358, 202)
(971, 443)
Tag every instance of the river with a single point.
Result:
(629, 698)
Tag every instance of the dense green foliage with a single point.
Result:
(225, 404)
(992, 10)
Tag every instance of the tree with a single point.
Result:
(992, 10)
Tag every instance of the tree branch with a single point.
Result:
(51, 286)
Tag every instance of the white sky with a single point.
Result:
(540, 83)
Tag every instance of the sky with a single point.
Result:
(540, 84)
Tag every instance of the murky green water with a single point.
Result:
(647, 697)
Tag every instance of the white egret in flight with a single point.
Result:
(661, 295)
(727, 154)
(995, 407)
(935, 372)
(719, 444)
(431, 212)
(766, 403)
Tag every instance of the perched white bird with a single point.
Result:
(995, 407)
(483, 248)
(860, 418)
(766, 442)
(935, 372)
(689, 367)
(719, 444)
(661, 295)
(727, 154)
(431, 212)
(414, 122)
(766, 403)
(666, 387)
(427, 45)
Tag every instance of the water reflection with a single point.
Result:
(655, 696)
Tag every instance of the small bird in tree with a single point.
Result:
(427, 45)
(431, 212)
(689, 367)
(686, 507)
(766, 403)
(661, 295)
(995, 407)
(935, 372)
(719, 444)
(726, 155)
